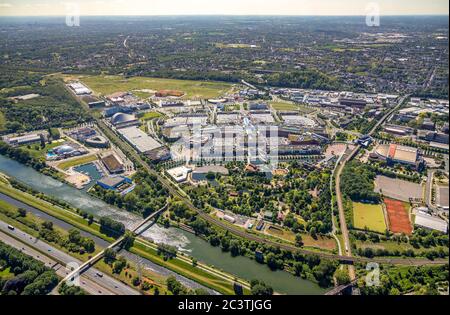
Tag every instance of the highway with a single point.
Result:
(88, 264)
(99, 242)
(57, 222)
(113, 286)
(86, 284)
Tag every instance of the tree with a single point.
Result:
(119, 265)
(88, 245)
(90, 219)
(128, 240)
(175, 286)
(47, 225)
(260, 288)
(109, 256)
(136, 281)
(298, 240)
(22, 212)
(342, 277)
(74, 236)
(111, 227)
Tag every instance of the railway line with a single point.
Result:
(174, 192)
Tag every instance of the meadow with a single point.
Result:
(103, 85)
(369, 216)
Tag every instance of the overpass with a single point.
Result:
(175, 192)
(339, 289)
(137, 230)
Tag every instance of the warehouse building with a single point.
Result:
(113, 164)
(427, 221)
(120, 184)
(141, 141)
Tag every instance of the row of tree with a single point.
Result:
(30, 277)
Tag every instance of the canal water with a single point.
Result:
(188, 243)
(92, 171)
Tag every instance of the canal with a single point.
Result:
(186, 242)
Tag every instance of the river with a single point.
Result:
(186, 242)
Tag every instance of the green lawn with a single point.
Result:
(83, 160)
(105, 85)
(6, 274)
(37, 151)
(284, 106)
(368, 216)
(150, 116)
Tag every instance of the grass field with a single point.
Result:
(321, 242)
(284, 106)
(369, 216)
(149, 116)
(105, 85)
(37, 151)
(83, 160)
(287, 106)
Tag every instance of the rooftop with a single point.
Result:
(139, 139)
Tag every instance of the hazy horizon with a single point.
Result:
(222, 7)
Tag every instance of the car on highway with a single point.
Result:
(10, 227)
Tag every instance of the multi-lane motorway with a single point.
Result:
(86, 284)
(109, 284)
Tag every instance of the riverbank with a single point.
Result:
(212, 257)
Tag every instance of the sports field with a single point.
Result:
(106, 85)
(398, 216)
(369, 216)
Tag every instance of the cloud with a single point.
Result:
(5, 5)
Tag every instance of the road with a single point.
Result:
(429, 189)
(86, 284)
(126, 148)
(113, 286)
(99, 242)
(342, 220)
(57, 222)
(88, 264)
(339, 199)
(244, 233)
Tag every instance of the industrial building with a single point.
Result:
(79, 88)
(294, 119)
(120, 184)
(425, 220)
(26, 139)
(141, 141)
(179, 174)
(113, 164)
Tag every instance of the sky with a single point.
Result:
(222, 7)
